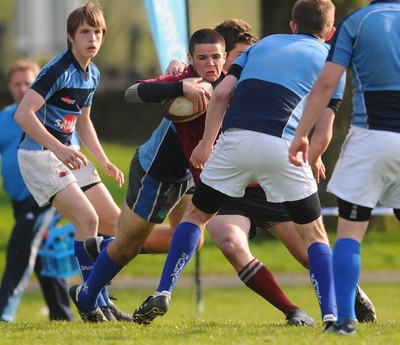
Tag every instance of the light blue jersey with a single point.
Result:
(10, 136)
(275, 82)
(375, 72)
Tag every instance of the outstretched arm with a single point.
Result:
(88, 136)
(215, 114)
(320, 140)
(157, 91)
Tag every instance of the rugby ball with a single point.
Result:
(180, 109)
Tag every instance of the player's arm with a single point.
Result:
(88, 136)
(156, 92)
(26, 118)
(214, 116)
(176, 68)
(153, 92)
(319, 97)
(319, 142)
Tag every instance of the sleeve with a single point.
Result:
(342, 46)
(155, 92)
(334, 104)
(47, 82)
(235, 70)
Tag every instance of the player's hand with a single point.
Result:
(200, 154)
(319, 170)
(176, 68)
(298, 150)
(112, 171)
(197, 94)
(72, 158)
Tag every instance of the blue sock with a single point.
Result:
(85, 263)
(100, 301)
(103, 272)
(104, 244)
(346, 270)
(183, 246)
(104, 294)
(321, 274)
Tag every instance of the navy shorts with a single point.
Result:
(253, 205)
(150, 198)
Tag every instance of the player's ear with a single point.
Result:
(190, 59)
(331, 33)
(70, 38)
(293, 26)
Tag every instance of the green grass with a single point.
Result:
(231, 315)
(379, 250)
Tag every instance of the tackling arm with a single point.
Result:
(319, 97)
(215, 114)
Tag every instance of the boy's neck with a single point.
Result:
(83, 61)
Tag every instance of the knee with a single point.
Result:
(88, 221)
(229, 247)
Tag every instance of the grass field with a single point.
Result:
(232, 315)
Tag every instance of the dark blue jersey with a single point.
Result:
(66, 88)
(276, 78)
(368, 42)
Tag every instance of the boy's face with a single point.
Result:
(208, 60)
(19, 83)
(86, 42)
(232, 55)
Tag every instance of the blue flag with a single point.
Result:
(169, 27)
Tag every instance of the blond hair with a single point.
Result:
(23, 65)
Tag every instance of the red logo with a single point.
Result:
(68, 100)
(62, 174)
(67, 124)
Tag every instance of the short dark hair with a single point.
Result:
(314, 17)
(205, 36)
(89, 13)
(236, 31)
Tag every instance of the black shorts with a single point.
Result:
(151, 199)
(253, 205)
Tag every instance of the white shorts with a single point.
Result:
(45, 175)
(241, 157)
(368, 169)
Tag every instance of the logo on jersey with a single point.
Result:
(68, 100)
(67, 124)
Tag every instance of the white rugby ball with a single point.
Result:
(180, 109)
